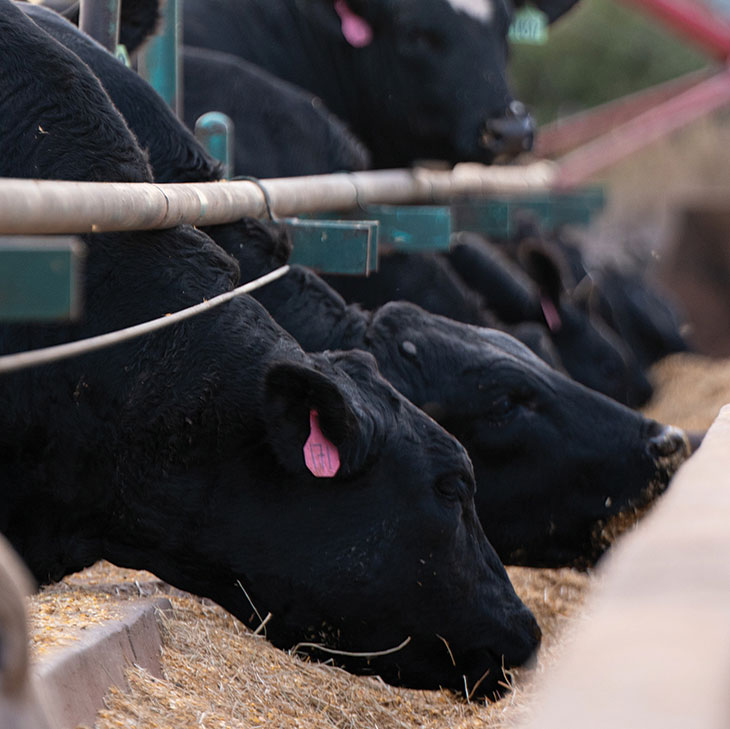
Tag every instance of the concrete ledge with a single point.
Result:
(654, 650)
(73, 679)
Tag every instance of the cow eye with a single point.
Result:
(502, 406)
(454, 487)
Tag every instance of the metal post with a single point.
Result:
(214, 130)
(100, 20)
(160, 63)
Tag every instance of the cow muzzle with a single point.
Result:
(507, 136)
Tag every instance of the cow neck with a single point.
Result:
(314, 313)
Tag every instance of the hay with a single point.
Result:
(59, 619)
(218, 674)
(689, 390)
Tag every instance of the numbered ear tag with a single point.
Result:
(529, 26)
(552, 317)
(320, 455)
(357, 30)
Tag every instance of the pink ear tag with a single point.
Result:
(357, 30)
(551, 314)
(320, 455)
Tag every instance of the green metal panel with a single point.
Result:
(490, 217)
(334, 246)
(411, 227)
(40, 278)
(553, 209)
(496, 217)
(405, 227)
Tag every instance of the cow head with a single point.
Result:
(433, 75)
(385, 553)
(589, 350)
(555, 462)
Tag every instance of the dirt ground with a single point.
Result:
(218, 674)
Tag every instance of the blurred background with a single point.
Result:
(668, 205)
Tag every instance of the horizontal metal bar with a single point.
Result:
(698, 101)
(48, 206)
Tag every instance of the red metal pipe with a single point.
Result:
(702, 99)
(693, 20)
(572, 131)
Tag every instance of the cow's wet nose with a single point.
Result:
(669, 441)
(511, 134)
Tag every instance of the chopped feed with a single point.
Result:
(218, 674)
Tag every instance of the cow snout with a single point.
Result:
(669, 442)
(511, 134)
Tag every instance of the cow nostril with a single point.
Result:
(670, 441)
(511, 134)
(536, 632)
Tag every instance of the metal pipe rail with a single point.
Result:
(50, 206)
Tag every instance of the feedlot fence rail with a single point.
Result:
(35, 207)
(48, 206)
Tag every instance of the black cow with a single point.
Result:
(189, 452)
(589, 350)
(284, 133)
(414, 79)
(508, 299)
(280, 130)
(645, 318)
(441, 366)
(623, 297)
(555, 462)
(429, 281)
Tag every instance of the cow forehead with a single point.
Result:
(482, 10)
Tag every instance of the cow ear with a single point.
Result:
(545, 270)
(308, 419)
(554, 9)
(355, 29)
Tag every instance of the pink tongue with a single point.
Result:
(320, 455)
(551, 314)
(356, 30)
